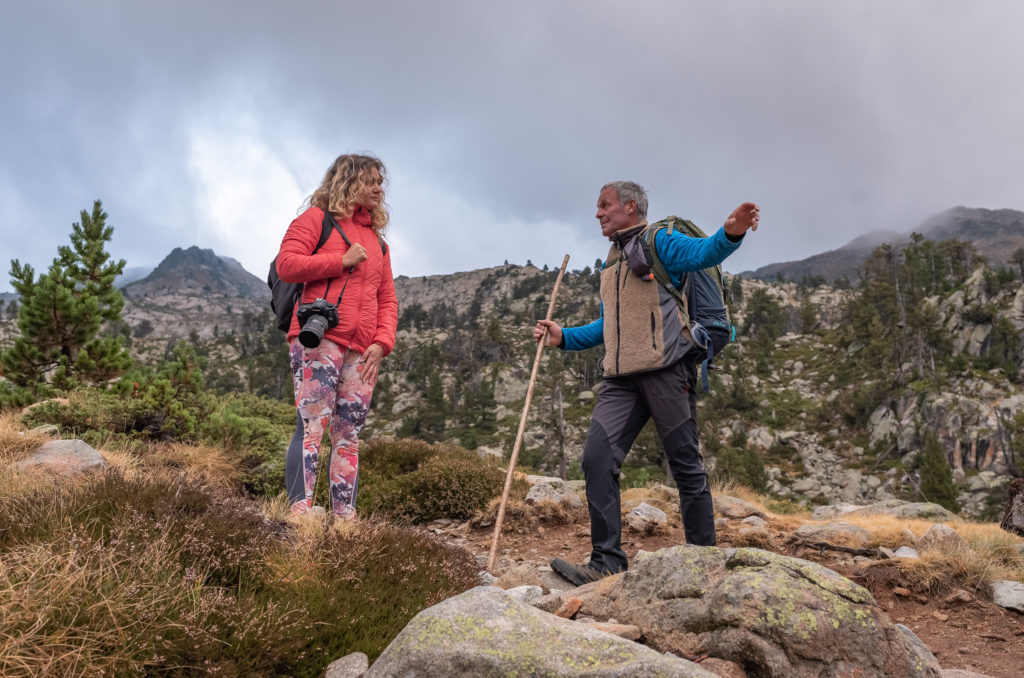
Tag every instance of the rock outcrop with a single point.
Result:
(771, 614)
(485, 632)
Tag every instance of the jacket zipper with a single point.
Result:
(618, 328)
(654, 341)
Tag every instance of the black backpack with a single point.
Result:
(284, 295)
(702, 298)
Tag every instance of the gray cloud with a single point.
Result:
(208, 123)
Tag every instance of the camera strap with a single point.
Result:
(329, 221)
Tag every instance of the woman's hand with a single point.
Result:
(371, 363)
(355, 255)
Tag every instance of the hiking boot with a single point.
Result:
(577, 574)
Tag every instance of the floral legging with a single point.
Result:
(328, 388)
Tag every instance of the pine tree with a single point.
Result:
(62, 311)
(936, 476)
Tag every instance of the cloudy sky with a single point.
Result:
(208, 123)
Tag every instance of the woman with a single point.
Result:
(334, 381)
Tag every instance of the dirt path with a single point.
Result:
(972, 633)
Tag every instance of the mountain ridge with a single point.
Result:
(996, 233)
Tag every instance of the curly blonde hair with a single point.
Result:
(346, 175)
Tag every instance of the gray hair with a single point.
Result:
(629, 190)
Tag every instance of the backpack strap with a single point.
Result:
(661, 274)
(330, 223)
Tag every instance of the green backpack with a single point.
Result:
(702, 297)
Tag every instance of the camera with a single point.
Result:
(314, 319)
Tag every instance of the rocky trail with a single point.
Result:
(965, 630)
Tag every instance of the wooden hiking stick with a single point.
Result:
(522, 421)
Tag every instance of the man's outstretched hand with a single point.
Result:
(554, 332)
(743, 218)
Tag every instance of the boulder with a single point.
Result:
(647, 519)
(486, 632)
(731, 507)
(554, 490)
(909, 510)
(350, 666)
(65, 458)
(940, 537)
(834, 533)
(1008, 594)
(773, 615)
(833, 510)
(1013, 513)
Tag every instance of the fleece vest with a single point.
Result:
(643, 327)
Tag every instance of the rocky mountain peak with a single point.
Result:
(199, 270)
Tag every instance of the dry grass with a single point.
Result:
(16, 442)
(987, 553)
(208, 463)
(276, 508)
(658, 496)
(521, 517)
(740, 492)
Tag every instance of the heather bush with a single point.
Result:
(417, 481)
(160, 574)
(359, 586)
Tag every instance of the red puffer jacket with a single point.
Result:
(368, 313)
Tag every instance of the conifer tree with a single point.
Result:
(936, 476)
(61, 313)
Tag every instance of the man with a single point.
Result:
(649, 370)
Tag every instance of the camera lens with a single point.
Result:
(312, 332)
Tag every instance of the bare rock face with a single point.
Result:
(65, 457)
(773, 615)
(486, 632)
(1013, 515)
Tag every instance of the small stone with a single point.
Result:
(526, 594)
(906, 552)
(569, 608)
(958, 596)
(353, 665)
(627, 631)
(900, 591)
(923, 599)
(940, 616)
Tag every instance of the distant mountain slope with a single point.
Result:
(996, 234)
(199, 270)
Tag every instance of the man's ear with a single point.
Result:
(630, 206)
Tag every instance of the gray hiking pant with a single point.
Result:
(624, 405)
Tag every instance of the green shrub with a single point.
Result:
(443, 487)
(742, 466)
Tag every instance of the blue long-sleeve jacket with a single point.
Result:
(679, 254)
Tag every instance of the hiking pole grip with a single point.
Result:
(522, 421)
